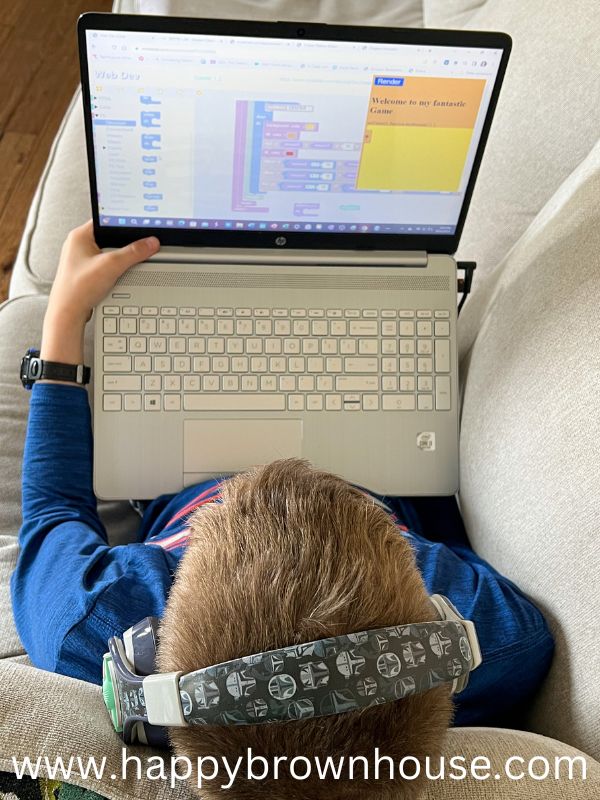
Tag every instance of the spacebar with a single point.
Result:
(233, 402)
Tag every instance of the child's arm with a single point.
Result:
(65, 563)
(516, 643)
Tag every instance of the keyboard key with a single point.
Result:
(206, 312)
(201, 364)
(424, 314)
(109, 325)
(162, 363)
(149, 311)
(234, 402)
(407, 383)
(127, 325)
(296, 402)
(115, 344)
(424, 328)
(172, 402)
(398, 402)
(368, 347)
(191, 383)
(187, 311)
(442, 393)
(111, 402)
(167, 327)
(424, 347)
(333, 402)
(147, 326)
(130, 311)
(157, 344)
(425, 402)
(407, 328)
(442, 355)
(137, 344)
(314, 402)
(224, 327)
(425, 383)
(152, 383)
(407, 347)
(306, 383)
(152, 402)
(363, 328)
(187, 326)
(122, 383)
(424, 364)
(442, 328)
(443, 314)
(132, 402)
(116, 363)
(206, 326)
(172, 383)
(370, 312)
(224, 312)
(362, 383)
(110, 309)
(168, 311)
(356, 365)
(370, 402)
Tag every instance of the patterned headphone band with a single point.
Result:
(328, 676)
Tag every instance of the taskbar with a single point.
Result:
(257, 225)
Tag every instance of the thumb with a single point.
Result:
(119, 261)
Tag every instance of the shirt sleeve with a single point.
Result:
(70, 589)
(516, 643)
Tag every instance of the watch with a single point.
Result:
(33, 368)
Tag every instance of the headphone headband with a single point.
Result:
(314, 679)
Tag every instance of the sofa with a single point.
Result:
(529, 354)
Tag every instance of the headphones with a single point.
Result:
(314, 679)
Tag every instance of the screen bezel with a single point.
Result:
(111, 236)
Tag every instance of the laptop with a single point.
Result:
(309, 184)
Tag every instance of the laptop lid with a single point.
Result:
(214, 133)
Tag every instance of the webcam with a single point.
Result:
(301, 31)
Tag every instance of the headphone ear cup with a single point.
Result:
(141, 644)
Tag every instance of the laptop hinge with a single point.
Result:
(263, 257)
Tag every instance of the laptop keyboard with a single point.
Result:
(275, 359)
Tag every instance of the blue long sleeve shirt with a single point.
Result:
(71, 591)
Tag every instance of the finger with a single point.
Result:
(119, 261)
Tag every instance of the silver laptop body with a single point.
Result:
(210, 359)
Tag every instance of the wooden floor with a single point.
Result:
(39, 71)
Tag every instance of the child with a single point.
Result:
(281, 554)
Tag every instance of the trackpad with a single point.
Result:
(231, 445)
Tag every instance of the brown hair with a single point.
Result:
(294, 554)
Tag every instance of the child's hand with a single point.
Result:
(84, 277)
(85, 274)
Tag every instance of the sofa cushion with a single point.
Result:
(529, 439)
(20, 327)
(407, 13)
(546, 121)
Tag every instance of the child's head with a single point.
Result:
(294, 554)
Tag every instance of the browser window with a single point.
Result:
(243, 133)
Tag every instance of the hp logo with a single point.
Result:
(280, 241)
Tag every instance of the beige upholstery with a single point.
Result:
(529, 440)
(529, 369)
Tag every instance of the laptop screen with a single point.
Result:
(213, 131)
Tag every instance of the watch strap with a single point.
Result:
(75, 373)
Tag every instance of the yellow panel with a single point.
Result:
(406, 158)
